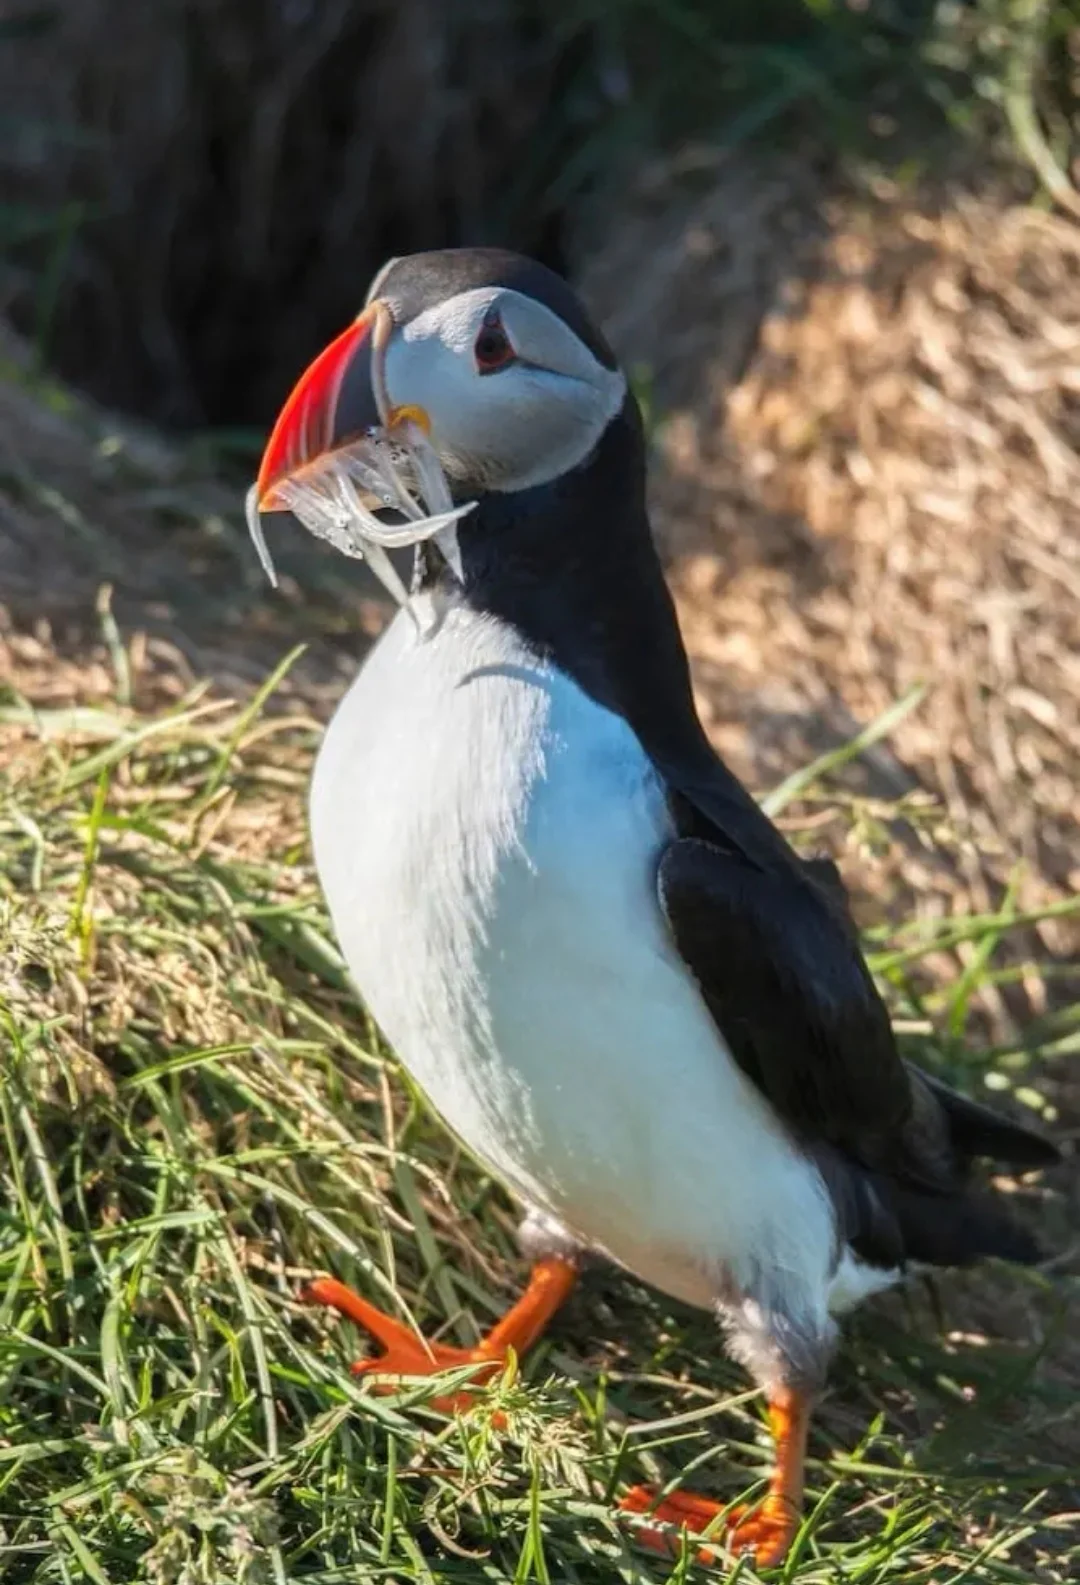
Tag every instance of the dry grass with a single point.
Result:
(879, 489)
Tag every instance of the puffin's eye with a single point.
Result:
(493, 350)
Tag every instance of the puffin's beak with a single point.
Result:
(338, 396)
(336, 455)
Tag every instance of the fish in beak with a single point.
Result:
(340, 452)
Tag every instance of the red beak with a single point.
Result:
(320, 414)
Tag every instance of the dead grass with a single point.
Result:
(879, 489)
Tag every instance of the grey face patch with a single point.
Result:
(538, 418)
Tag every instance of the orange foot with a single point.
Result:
(766, 1529)
(406, 1354)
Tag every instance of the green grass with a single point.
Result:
(196, 1116)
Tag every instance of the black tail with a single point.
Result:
(957, 1229)
(975, 1130)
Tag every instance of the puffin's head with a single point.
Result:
(490, 352)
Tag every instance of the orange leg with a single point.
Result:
(406, 1354)
(767, 1529)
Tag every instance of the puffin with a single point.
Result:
(611, 975)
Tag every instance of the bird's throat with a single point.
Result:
(572, 567)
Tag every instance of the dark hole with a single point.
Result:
(222, 180)
(194, 196)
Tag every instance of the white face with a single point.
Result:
(513, 396)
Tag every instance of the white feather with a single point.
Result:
(487, 838)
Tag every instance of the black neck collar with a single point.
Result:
(572, 567)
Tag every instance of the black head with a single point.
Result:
(419, 282)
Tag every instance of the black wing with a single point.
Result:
(777, 964)
(776, 957)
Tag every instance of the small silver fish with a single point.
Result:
(336, 496)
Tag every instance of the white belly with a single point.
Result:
(487, 838)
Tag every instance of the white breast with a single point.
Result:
(487, 838)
